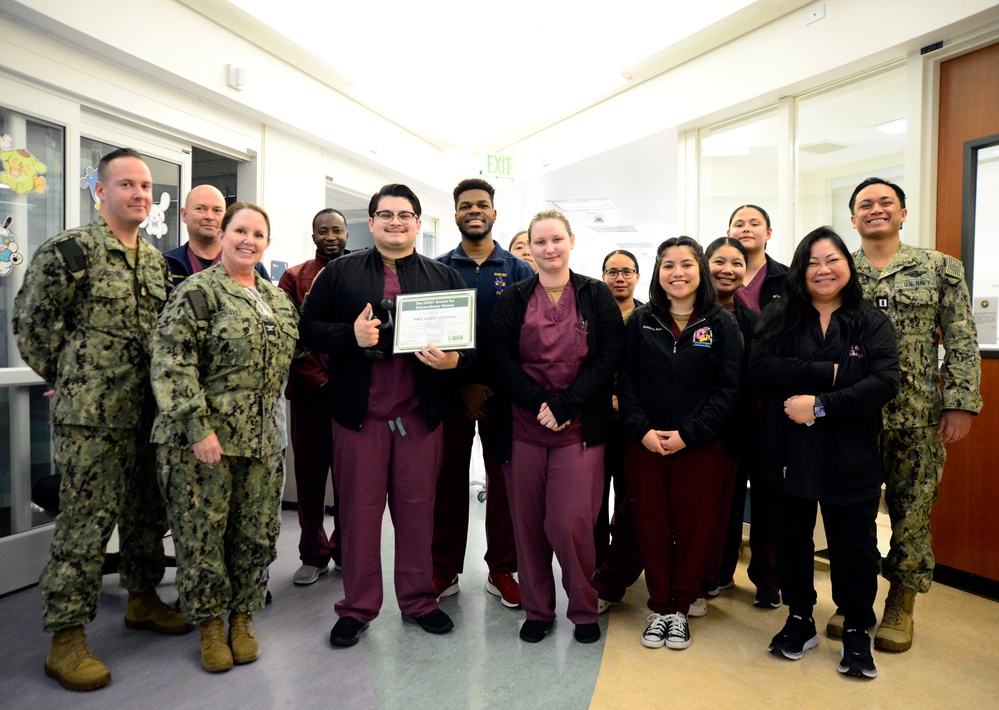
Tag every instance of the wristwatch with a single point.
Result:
(818, 410)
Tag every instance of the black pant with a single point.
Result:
(853, 555)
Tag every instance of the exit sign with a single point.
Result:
(500, 166)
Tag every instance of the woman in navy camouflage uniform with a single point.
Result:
(221, 357)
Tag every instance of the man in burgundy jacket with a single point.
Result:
(311, 424)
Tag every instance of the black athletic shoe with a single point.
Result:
(587, 633)
(347, 631)
(434, 622)
(534, 630)
(857, 659)
(797, 636)
(767, 598)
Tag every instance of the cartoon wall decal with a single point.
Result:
(10, 255)
(90, 181)
(22, 171)
(155, 224)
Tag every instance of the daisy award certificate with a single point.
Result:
(442, 318)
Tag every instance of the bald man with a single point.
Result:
(201, 214)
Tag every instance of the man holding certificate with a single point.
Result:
(387, 409)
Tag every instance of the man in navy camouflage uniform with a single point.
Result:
(83, 320)
(922, 291)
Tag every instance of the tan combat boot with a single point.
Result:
(243, 643)
(215, 654)
(71, 662)
(147, 611)
(895, 632)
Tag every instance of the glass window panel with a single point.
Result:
(166, 180)
(846, 134)
(738, 166)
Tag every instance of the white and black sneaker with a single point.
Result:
(655, 633)
(856, 652)
(678, 633)
(797, 636)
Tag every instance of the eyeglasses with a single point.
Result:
(262, 307)
(614, 273)
(387, 216)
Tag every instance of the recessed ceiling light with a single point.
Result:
(893, 127)
(612, 228)
(592, 204)
(822, 147)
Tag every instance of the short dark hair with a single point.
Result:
(622, 252)
(766, 217)
(395, 190)
(328, 210)
(473, 184)
(726, 242)
(706, 293)
(102, 167)
(239, 207)
(899, 192)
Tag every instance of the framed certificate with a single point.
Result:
(442, 318)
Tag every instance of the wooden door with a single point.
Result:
(966, 517)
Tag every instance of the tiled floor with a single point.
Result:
(482, 664)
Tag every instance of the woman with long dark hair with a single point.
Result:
(677, 387)
(826, 362)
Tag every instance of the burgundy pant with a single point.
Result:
(451, 506)
(722, 522)
(368, 465)
(762, 562)
(554, 498)
(312, 442)
(675, 501)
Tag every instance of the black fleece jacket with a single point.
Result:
(836, 460)
(338, 296)
(589, 396)
(688, 385)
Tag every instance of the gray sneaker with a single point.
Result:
(307, 574)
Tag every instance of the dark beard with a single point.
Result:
(475, 237)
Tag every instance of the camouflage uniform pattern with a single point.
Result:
(223, 371)
(921, 290)
(85, 324)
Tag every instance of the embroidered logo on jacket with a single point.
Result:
(703, 337)
(499, 281)
(854, 351)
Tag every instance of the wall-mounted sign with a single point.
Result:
(499, 166)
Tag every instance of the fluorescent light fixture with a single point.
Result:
(612, 228)
(893, 127)
(723, 152)
(593, 204)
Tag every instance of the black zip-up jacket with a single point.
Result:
(688, 385)
(837, 459)
(589, 396)
(338, 296)
(773, 284)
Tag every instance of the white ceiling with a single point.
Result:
(478, 77)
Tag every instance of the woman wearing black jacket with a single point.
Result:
(827, 362)
(554, 344)
(677, 387)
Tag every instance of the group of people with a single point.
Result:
(575, 388)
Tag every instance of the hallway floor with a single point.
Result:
(483, 664)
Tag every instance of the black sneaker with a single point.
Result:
(767, 598)
(719, 586)
(434, 622)
(587, 633)
(534, 630)
(347, 631)
(797, 636)
(857, 659)
(677, 631)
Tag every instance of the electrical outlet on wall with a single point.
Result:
(815, 14)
